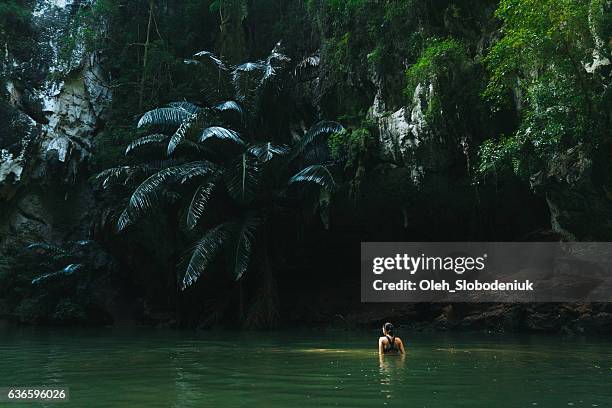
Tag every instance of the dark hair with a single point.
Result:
(388, 327)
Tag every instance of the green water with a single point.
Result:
(148, 368)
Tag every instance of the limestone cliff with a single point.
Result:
(58, 99)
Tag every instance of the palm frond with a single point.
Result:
(247, 80)
(203, 253)
(124, 220)
(315, 134)
(147, 192)
(215, 80)
(68, 270)
(144, 141)
(199, 202)
(188, 106)
(190, 146)
(180, 133)
(220, 133)
(166, 116)
(209, 56)
(242, 178)
(116, 174)
(316, 153)
(266, 151)
(268, 73)
(275, 61)
(311, 61)
(245, 240)
(43, 247)
(207, 169)
(254, 67)
(229, 106)
(276, 55)
(318, 174)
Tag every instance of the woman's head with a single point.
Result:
(388, 328)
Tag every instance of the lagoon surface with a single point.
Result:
(159, 368)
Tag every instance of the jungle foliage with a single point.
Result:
(547, 60)
(47, 284)
(223, 155)
(230, 157)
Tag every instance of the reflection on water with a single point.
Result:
(391, 367)
(188, 369)
(391, 362)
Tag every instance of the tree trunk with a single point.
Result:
(263, 313)
(231, 42)
(144, 58)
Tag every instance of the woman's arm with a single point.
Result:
(401, 346)
(381, 346)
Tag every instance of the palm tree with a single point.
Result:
(218, 154)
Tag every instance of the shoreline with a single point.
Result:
(566, 319)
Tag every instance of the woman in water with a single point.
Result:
(388, 343)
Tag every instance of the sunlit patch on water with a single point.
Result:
(490, 350)
(355, 352)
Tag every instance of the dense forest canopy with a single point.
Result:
(249, 146)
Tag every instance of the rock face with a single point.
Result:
(403, 134)
(58, 99)
(429, 164)
(579, 208)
